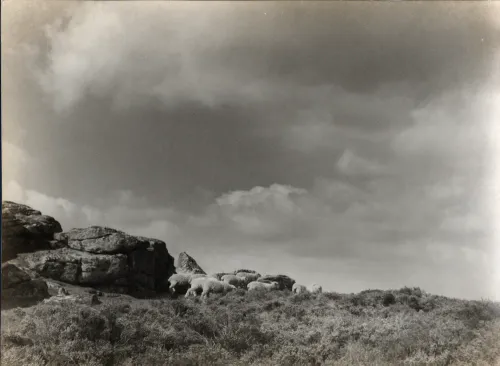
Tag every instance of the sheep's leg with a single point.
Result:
(171, 288)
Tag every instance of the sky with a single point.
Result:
(352, 145)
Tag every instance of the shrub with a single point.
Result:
(388, 299)
(414, 303)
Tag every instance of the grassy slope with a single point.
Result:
(276, 328)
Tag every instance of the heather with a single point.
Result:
(400, 327)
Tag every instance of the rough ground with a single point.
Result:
(270, 328)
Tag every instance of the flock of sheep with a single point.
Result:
(207, 284)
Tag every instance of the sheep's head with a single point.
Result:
(276, 285)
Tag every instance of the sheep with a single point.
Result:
(248, 277)
(256, 285)
(198, 275)
(298, 289)
(215, 286)
(234, 280)
(182, 280)
(197, 285)
(219, 275)
(315, 288)
(208, 285)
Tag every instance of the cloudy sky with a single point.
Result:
(348, 144)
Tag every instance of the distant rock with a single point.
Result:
(284, 281)
(187, 264)
(19, 289)
(246, 271)
(26, 230)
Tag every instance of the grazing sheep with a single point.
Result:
(315, 288)
(298, 289)
(256, 285)
(248, 277)
(234, 280)
(215, 286)
(197, 275)
(197, 285)
(219, 275)
(284, 281)
(208, 285)
(180, 281)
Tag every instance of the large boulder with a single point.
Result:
(187, 264)
(76, 267)
(159, 266)
(104, 240)
(19, 289)
(95, 256)
(26, 230)
(106, 259)
(284, 281)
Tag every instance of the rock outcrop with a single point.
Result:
(26, 230)
(76, 267)
(284, 281)
(97, 257)
(38, 254)
(246, 271)
(187, 264)
(103, 240)
(107, 259)
(19, 289)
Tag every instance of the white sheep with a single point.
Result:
(315, 288)
(298, 289)
(197, 284)
(218, 275)
(215, 286)
(256, 285)
(182, 280)
(234, 280)
(249, 277)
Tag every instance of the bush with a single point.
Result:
(389, 299)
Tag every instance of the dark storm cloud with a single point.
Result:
(341, 132)
(191, 100)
